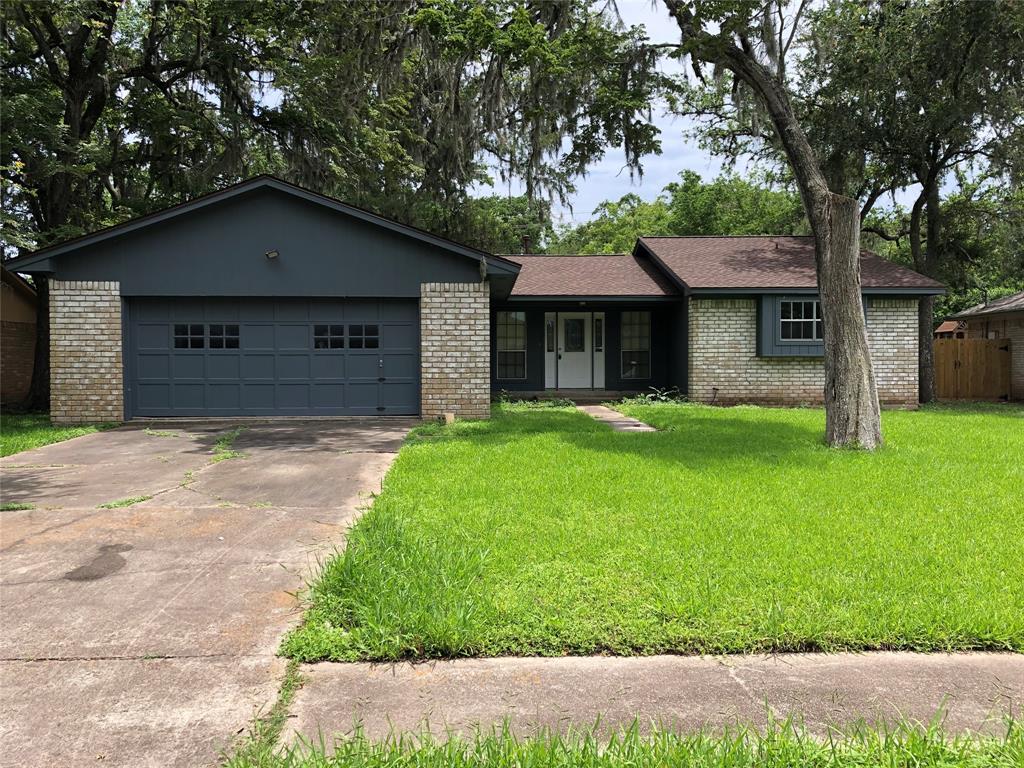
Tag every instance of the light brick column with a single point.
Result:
(892, 337)
(455, 341)
(85, 352)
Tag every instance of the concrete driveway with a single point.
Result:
(145, 635)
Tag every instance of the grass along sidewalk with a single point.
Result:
(23, 432)
(541, 532)
(782, 745)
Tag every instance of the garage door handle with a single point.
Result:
(380, 379)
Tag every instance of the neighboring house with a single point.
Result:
(951, 329)
(17, 337)
(265, 299)
(1000, 319)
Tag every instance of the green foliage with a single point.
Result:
(115, 109)
(129, 502)
(498, 224)
(782, 744)
(222, 450)
(543, 532)
(27, 431)
(981, 244)
(728, 205)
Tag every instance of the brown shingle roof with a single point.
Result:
(767, 262)
(614, 275)
(1012, 303)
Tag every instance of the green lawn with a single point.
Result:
(23, 432)
(782, 746)
(542, 532)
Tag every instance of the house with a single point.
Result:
(17, 337)
(1000, 319)
(265, 299)
(951, 329)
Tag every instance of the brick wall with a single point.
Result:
(85, 352)
(17, 351)
(723, 356)
(455, 354)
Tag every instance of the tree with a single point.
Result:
(751, 40)
(728, 205)
(920, 89)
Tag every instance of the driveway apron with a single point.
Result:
(145, 634)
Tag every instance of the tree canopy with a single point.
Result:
(116, 108)
(728, 205)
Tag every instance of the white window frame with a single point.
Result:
(817, 327)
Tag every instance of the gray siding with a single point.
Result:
(219, 251)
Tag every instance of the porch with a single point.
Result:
(587, 351)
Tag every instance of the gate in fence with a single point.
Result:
(972, 369)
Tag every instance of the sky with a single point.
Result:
(609, 179)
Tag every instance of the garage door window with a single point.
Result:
(328, 337)
(223, 336)
(363, 336)
(188, 336)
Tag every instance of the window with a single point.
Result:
(574, 332)
(363, 336)
(549, 335)
(636, 345)
(511, 345)
(328, 336)
(189, 336)
(800, 320)
(223, 336)
(598, 334)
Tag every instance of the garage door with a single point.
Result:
(272, 357)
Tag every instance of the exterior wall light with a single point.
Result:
(272, 254)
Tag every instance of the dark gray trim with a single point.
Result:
(602, 299)
(726, 292)
(499, 265)
(769, 340)
(666, 270)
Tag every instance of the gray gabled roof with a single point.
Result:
(1012, 303)
(496, 264)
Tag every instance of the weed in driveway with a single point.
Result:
(14, 506)
(259, 748)
(222, 450)
(125, 502)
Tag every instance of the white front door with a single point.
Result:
(575, 350)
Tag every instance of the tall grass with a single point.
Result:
(781, 746)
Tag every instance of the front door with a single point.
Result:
(575, 352)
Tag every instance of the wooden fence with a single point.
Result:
(972, 369)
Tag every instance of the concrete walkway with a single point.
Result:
(146, 635)
(689, 693)
(617, 421)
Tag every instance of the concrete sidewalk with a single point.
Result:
(619, 422)
(689, 693)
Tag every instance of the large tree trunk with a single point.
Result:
(851, 399)
(852, 415)
(926, 307)
(38, 398)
